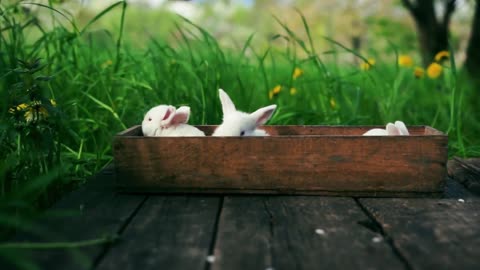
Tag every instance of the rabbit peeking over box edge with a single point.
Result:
(165, 120)
(238, 123)
(397, 129)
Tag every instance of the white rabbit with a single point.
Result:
(376, 132)
(237, 123)
(164, 120)
(396, 129)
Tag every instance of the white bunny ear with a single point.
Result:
(183, 111)
(169, 113)
(180, 116)
(262, 115)
(392, 130)
(402, 128)
(227, 103)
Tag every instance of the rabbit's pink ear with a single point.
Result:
(168, 114)
(227, 103)
(262, 115)
(180, 116)
(392, 130)
(167, 117)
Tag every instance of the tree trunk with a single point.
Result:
(472, 63)
(432, 33)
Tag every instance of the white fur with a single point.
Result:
(165, 120)
(402, 128)
(237, 123)
(397, 129)
(392, 130)
(376, 132)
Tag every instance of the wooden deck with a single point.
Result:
(257, 232)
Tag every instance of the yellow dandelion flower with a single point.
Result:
(17, 108)
(35, 113)
(442, 55)
(297, 73)
(293, 91)
(107, 63)
(366, 65)
(333, 104)
(405, 61)
(434, 70)
(274, 92)
(419, 72)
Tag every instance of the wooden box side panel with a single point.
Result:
(399, 164)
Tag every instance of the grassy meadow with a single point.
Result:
(67, 89)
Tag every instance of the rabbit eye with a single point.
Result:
(242, 133)
(149, 119)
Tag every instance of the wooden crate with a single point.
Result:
(333, 160)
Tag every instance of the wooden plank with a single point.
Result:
(431, 233)
(169, 232)
(279, 232)
(89, 213)
(455, 190)
(466, 171)
(336, 163)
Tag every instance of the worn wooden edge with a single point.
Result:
(226, 191)
(136, 132)
(132, 131)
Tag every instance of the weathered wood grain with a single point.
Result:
(431, 233)
(169, 232)
(327, 160)
(466, 171)
(88, 213)
(279, 232)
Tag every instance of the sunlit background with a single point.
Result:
(363, 24)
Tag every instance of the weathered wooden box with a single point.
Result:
(334, 160)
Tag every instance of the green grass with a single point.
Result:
(103, 83)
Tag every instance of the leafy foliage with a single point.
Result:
(67, 90)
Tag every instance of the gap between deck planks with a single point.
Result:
(254, 232)
(279, 232)
(429, 233)
(169, 232)
(179, 232)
